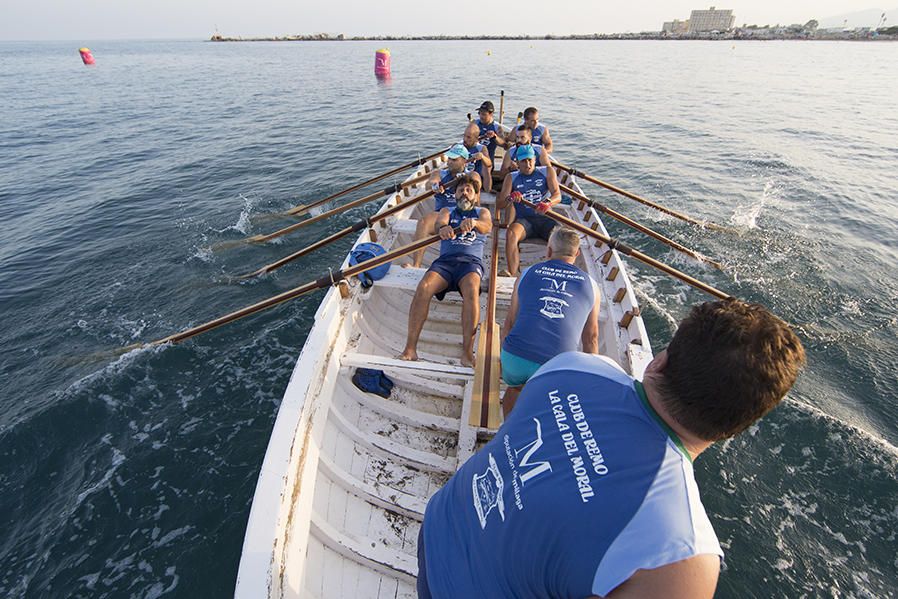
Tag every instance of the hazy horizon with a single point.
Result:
(46, 20)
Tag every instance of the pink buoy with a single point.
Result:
(382, 64)
(86, 56)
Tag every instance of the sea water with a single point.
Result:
(133, 476)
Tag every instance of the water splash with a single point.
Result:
(746, 217)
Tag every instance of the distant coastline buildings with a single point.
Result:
(702, 21)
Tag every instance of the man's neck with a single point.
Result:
(693, 444)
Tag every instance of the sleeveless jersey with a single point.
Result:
(534, 187)
(554, 301)
(538, 133)
(582, 485)
(538, 149)
(484, 129)
(477, 165)
(447, 198)
(468, 244)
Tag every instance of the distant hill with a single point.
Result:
(861, 18)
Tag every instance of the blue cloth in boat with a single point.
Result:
(583, 485)
(372, 381)
(367, 251)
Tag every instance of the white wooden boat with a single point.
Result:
(347, 474)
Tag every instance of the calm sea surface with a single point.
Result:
(133, 477)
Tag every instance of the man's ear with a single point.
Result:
(658, 364)
(548, 252)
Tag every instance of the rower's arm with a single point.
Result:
(544, 158)
(693, 578)
(547, 140)
(554, 190)
(441, 221)
(506, 165)
(502, 198)
(434, 179)
(484, 222)
(512, 313)
(485, 157)
(590, 336)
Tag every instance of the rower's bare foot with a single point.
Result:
(409, 355)
(468, 360)
(504, 273)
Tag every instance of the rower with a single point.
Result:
(588, 489)
(523, 137)
(459, 267)
(554, 307)
(479, 160)
(456, 163)
(540, 131)
(536, 184)
(489, 131)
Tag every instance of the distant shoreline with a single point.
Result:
(841, 36)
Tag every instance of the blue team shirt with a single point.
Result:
(582, 486)
(538, 133)
(447, 198)
(484, 129)
(554, 301)
(477, 165)
(467, 244)
(534, 187)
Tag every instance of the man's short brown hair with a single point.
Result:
(729, 363)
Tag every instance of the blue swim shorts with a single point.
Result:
(453, 269)
(516, 370)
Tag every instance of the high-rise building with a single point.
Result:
(711, 20)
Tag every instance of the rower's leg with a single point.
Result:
(513, 236)
(430, 285)
(509, 399)
(486, 176)
(469, 287)
(422, 230)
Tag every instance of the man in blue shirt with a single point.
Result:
(540, 132)
(479, 160)
(536, 184)
(523, 137)
(490, 132)
(457, 158)
(587, 489)
(554, 309)
(459, 267)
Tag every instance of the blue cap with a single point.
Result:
(525, 152)
(458, 151)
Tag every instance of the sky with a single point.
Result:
(144, 19)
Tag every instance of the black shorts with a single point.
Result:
(536, 226)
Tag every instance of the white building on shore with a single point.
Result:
(703, 21)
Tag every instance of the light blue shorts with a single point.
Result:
(516, 370)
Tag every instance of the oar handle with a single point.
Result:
(620, 246)
(326, 280)
(578, 173)
(639, 227)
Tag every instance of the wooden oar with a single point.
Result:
(485, 393)
(324, 215)
(303, 208)
(357, 226)
(641, 228)
(625, 249)
(640, 199)
(326, 280)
